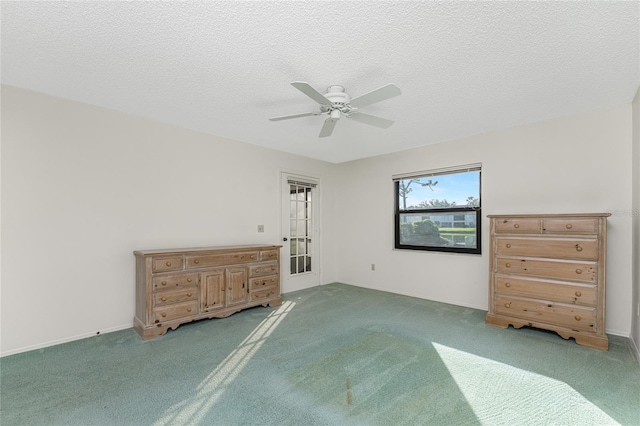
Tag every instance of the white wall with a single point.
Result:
(82, 187)
(570, 165)
(635, 305)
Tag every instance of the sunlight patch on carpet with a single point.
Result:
(494, 391)
(194, 410)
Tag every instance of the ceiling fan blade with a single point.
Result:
(377, 95)
(287, 117)
(372, 119)
(327, 127)
(311, 92)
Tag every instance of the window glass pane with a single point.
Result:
(302, 228)
(435, 229)
(443, 191)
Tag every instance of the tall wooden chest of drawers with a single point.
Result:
(548, 271)
(178, 286)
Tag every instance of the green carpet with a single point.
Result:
(330, 355)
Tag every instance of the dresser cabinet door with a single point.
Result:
(237, 286)
(213, 290)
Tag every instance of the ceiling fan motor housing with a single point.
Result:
(336, 94)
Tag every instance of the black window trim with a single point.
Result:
(477, 210)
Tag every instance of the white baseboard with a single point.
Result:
(635, 348)
(60, 341)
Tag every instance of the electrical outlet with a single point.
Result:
(260, 228)
(373, 266)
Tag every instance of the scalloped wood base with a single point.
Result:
(590, 340)
(161, 328)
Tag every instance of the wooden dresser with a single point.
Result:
(548, 271)
(178, 286)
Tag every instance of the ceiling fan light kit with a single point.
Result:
(337, 103)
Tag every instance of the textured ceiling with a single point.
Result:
(224, 68)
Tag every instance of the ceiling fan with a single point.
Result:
(336, 103)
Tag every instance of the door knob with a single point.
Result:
(285, 239)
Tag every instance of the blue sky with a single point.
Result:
(454, 187)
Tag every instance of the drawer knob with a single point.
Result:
(578, 317)
(164, 314)
(507, 284)
(196, 261)
(578, 248)
(189, 294)
(188, 309)
(508, 245)
(578, 294)
(578, 271)
(168, 263)
(188, 280)
(508, 265)
(516, 226)
(257, 271)
(569, 226)
(507, 305)
(163, 283)
(164, 299)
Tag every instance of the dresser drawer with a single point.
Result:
(258, 283)
(562, 248)
(223, 259)
(572, 316)
(171, 312)
(546, 289)
(166, 264)
(269, 254)
(564, 270)
(266, 268)
(511, 225)
(174, 281)
(263, 294)
(578, 225)
(175, 296)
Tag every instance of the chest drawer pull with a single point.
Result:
(578, 294)
(188, 309)
(578, 248)
(163, 283)
(578, 271)
(516, 226)
(168, 264)
(196, 261)
(189, 294)
(507, 284)
(578, 317)
(507, 305)
(508, 245)
(164, 299)
(188, 280)
(164, 314)
(508, 265)
(569, 226)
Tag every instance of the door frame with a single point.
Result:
(316, 223)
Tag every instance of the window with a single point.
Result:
(439, 210)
